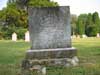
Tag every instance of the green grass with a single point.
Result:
(88, 50)
(12, 53)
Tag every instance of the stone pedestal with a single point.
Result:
(60, 56)
(39, 59)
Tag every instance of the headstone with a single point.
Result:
(98, 35)
(50, 36)
(84, 36)
(14, 37)
(27, 37)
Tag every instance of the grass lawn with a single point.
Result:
(12, 53)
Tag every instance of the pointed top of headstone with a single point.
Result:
(14, 34)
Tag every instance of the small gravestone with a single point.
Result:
(50, 38)
(27, 37)
(98, 35)
(84, 36)
(14, 37)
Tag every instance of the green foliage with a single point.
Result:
(73, 24)
(81, 24)
(12, 20)
(7, 32)
(92, 24)
(36, 3)
(96, 21)
(15, 16)
(88, 24)
(42, 3)
(91, 30)
(1, 36)
(21, 33)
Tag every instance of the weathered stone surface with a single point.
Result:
(49, 27)
(51, 53)
(50, 37)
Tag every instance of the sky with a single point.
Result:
(2, 3)
(76, 6)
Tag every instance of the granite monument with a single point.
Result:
(50, 37)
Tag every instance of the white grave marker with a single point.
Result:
(14, 37)
(27, 37)
(84, 36)
(98, 35)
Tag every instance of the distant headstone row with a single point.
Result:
(27, 37)
(84, 36)
(78, 36)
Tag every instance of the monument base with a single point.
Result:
(38, 59)
(59, 56)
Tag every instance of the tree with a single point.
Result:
(92, 24)
(42, 3)
(96, 21)
(89, 25)
(73, 24)
(36, 3)
(14, 19)
(81, 22)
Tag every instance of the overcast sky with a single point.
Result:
(76, 6)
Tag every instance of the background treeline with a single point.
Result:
(13, 18)
(86, 24)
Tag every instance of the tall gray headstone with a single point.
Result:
(50, 36)
(50, 27)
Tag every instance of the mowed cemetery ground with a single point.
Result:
(12, 54)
